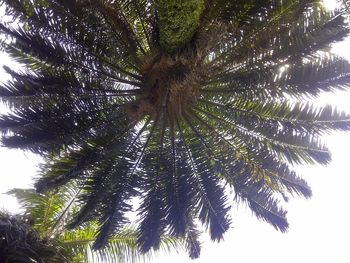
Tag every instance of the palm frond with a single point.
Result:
(263, 204)
(172, 104)
(48, 211)
(19, 242)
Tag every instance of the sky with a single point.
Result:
(319, 227)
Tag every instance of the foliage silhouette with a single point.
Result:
(116, 104)
(19, 242)
(46, 216)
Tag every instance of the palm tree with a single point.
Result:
(172, 102)
(47, 214)
(19, 242)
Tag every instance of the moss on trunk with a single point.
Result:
(178, 21)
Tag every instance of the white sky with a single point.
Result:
(319, 227)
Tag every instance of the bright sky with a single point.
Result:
(319, 227)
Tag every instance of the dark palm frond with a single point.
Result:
(48, 215)
(263, 204)
(20, 242)
(307, 77)
(152, 208)
(193, 245)
(112, 216)
(172, 103)
(262, 165)
(179, 194)
(212, 205)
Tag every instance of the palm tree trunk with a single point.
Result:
(178, 21)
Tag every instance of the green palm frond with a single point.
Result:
(171, 103)
(121, 247)
(50, 212)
